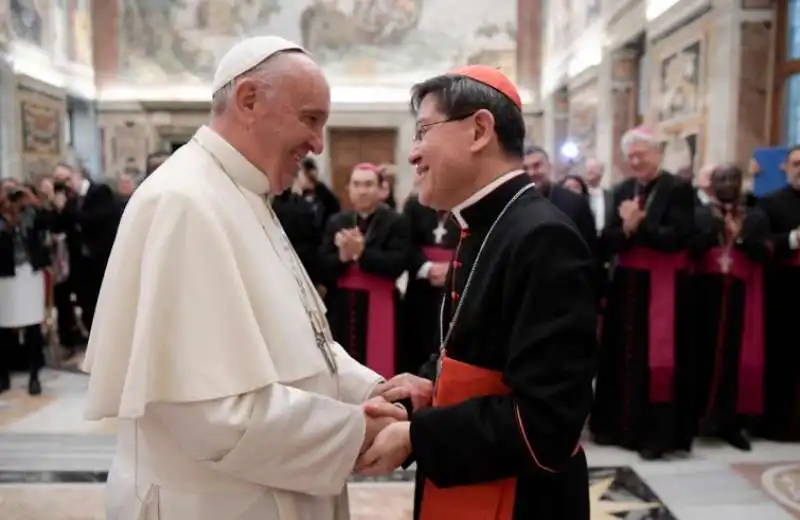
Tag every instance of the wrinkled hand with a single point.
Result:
(437, 274)
(380, 413)
(733, 225)
(627, 208)
(408, 386)
(391, 448)
(350, 243)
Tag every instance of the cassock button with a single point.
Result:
(454, 296)
(464, 233)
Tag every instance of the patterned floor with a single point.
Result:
(52, 464)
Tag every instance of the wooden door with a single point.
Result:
(351, 146)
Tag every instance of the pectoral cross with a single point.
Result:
(439, 233)
(725, 261)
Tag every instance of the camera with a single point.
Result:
(15, 196)
(59, 186)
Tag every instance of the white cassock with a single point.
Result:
(203, 348)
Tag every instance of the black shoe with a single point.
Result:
(5, 382)
(737, 439)
(34, 386)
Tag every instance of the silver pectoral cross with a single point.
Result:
(725, 261)
(439, 233)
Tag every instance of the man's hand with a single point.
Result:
(408, 386)
(391, 448)
(379, 414)
(631, 215)
(733, 225)
(350, 243)
(437, 274)
(59, 200)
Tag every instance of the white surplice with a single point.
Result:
(203, 348)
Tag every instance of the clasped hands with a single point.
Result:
(350, 242)
(631, 214)
(387, 441)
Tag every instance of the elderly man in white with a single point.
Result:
(210, 344)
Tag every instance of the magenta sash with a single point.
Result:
(663, 268)
(750, 394)
(438, 254)
(380, 317)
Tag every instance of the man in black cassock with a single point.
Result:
(363, 253)
(434, 235)
(782, 414)
(729, 250)
(645, 394)
(500, 439)
(303, 228)
(537, 165)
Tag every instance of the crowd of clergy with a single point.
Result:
(696, 280)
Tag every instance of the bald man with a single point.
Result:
(213, 350)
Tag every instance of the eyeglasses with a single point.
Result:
(422, 129)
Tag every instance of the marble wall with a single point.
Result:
(678, 93)
(754, 83)
(389, 42)
(582, 126)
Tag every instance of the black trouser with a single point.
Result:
(69, 334)
(21, 349)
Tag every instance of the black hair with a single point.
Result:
(536, 149)
(308, 164)
(579, 180)
(458, 97)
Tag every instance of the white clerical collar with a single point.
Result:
(595, 191)
(705, 198)
(83, 188)
(481, 193)
(242, 171)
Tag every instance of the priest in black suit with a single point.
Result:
(537, 165)
(782, 414)
(434, 235)
(501, 437)
(363, 253)
(88, 213)
(645, 388)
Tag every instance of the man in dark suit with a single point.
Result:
(88, 213)
(537, 165)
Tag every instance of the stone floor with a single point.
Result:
(52, 464)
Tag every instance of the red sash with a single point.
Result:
(380, 317)
(438, 254)
(663, 268)
(459, 381)
(750, 393)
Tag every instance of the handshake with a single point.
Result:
(387, 441)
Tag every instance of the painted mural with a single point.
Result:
(80, 48)
(357, 41)
(5, 23)
(583, 118)
(40, 125)
(59, 21)
(28, 18)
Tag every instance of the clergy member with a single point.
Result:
(514, 386)
(782, 414)
(363, 253)
(645, 392)
(434, 235)
(210, 343)
(730, 248)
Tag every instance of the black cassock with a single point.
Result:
(502, 439)
(303, 229)
(729, 318)
(645, 393)
(362, 299)
(782, 414)
(433, 239)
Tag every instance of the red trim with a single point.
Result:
(750, 394)
(663, 269)
(438, 254)
(380, 317)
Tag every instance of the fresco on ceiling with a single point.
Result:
(28, 20)
(357, 41)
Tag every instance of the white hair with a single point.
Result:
(638, 135)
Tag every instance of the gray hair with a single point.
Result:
(223, 95)
(638, 135)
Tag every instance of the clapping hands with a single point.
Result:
(350, 243)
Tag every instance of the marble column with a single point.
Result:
(723, 74)
(620, 115)
(530, 38)
(560, 127)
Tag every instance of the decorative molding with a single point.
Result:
(626, 24)
(676, 17)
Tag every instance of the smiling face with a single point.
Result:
(726, 184)
(364, 189)
(441, 156)
(284, 116)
